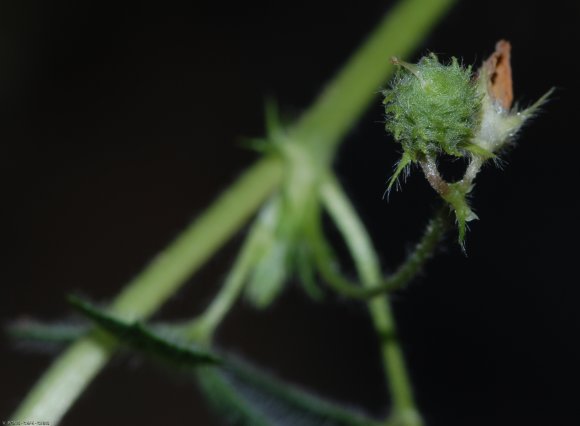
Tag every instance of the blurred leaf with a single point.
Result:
(240, 392)
(248, 396)
(227, 401)
(270, 270)
(143, 338)
(305, 269)
(269, 275)
(33, 330)
(456, 196)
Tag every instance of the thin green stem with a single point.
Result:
(423, 251)
(404, 274)
(321, 127)
(367, 264)
(201, 329)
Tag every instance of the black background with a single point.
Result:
(121, 123)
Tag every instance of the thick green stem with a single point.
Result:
(344, 100)
(321, 127)
(367, 264)
(171, 268)
(70, 374)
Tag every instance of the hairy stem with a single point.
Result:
(367, 264)
(404, 274)
(321, 127)
(434, 233)
(431, 172)
(472, 170)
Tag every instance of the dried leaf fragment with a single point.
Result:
(499, 71)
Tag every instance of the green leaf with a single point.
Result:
(143, 338)
(240, 392)
(36, 331)
(457, 199)
(305, 269)
(269, 275)
(248, 396)
(227, 401)
(270, 267)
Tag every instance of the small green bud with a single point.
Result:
(432, 107)
(268, 276)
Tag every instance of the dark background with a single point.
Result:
(121, 123)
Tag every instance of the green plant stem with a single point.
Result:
(201, 329)
(367, 265)
(321, 127)
(70, 374)
(405, 273)
(196, 244)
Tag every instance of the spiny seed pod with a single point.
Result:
(432, 107)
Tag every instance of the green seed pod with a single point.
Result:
(432, 108)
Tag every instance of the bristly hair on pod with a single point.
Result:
(431, 108)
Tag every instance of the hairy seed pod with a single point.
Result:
(432, 107)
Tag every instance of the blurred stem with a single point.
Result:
(367, 264)
(321, 128)
(196, 244)
(71, 373)
(201, 329)
(341, 103)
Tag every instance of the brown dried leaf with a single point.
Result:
(498, 71)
